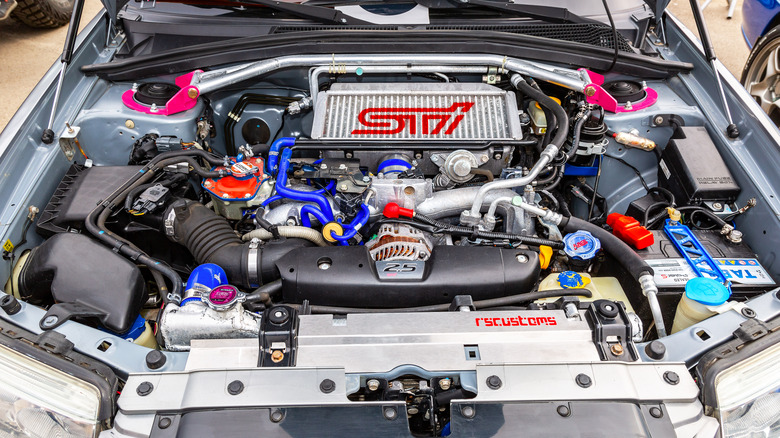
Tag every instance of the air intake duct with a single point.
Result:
(211, 239)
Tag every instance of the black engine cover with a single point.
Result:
(347, 276)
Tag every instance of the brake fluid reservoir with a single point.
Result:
(701, 295)
(602, 288)
(538, 119)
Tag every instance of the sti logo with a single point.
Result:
(435, 121)
(517, 321)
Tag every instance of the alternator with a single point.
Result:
(399, 242)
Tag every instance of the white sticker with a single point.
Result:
(665, 169)
(677, 272)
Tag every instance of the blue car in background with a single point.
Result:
(761, 29)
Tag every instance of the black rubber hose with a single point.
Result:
(481, 304)
(560, 114)
(211, 239)
(263, 293)
(575, 141)
(618, 249)
(97, 228)
(468, 231)
(704, 211)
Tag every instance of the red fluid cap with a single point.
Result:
(392, 210)
(628, 230)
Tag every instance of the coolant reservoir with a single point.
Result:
(697, 303)
(602, 288)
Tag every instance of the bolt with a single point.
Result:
(324, 266)
(497, 156)
(235, 387)
(717, 206)
(342, 166)
(583, 380)
(366, 179)
(412, 411)
(671, 378)
(570, 310)
(277, 415)
(50, 321)
(493, 382)
(208, 183)
(484, 158)
(467, 411)
(323, 166)
(616, 349)
(164, 423)
(563, 411)
(445, 384)
(390, 413)
(327, 386)
(343, 187)
(522, 258)
(747, 312)
(144, 389)
(348, 155)
(372, 384)
(277, 356)
(418, 156)
(656, 412)
(192, 93)
(590, 91)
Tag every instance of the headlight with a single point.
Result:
(748, 396)
(741, 381)
(37, 400)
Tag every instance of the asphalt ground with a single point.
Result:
(26, 53)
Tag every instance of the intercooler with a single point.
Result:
(416, 111)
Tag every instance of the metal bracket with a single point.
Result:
(694, 253)
(68, 141)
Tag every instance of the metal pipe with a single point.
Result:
(494, 205)
(547, 156)
(218, 79)
(650, 290)
(315, 72)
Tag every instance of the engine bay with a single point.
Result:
(202, 209)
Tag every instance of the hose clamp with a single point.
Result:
(169, 221)
(252, 259)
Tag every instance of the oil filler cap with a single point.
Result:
(581, 245)
(706, 291)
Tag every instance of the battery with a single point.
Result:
(738, 262)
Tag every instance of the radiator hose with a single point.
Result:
(629, 259)
(211, 239)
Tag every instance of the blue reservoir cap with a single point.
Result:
(707, 291)
(581, 245)
(572, 280)
(207, 275)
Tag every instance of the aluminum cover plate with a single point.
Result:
(416, 111)
(443, 341)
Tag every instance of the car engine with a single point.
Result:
(217, 206)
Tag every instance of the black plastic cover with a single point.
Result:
(691, 167)
(353, 279)
(77, 195)
(84, 279)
